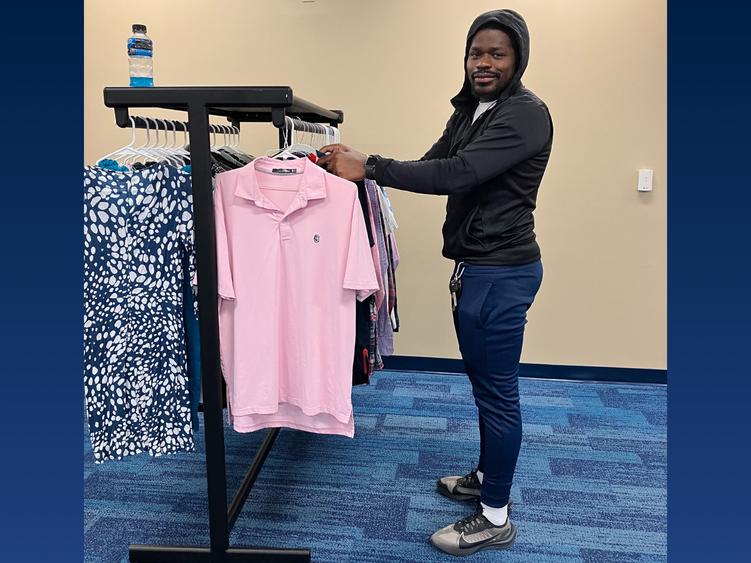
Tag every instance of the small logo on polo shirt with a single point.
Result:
(316, 238)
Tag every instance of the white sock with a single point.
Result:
(496, 516)
(479, 477)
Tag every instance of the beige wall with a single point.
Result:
(392, 67)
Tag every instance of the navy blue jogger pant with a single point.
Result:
(489, 322)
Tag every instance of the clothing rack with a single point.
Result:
(238, 104)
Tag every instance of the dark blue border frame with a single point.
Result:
(41, 327)
(709, 301)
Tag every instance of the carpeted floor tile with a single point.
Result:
(590, 485)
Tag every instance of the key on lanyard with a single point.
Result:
(455, 287)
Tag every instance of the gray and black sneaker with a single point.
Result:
(463, 488)
(472, 534)
(460, 488)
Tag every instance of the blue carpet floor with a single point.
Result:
(590, 485)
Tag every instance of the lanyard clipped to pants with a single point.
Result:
(455, 285)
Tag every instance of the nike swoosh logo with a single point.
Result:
(467, 491)
(484, 537)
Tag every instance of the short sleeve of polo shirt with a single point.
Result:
(225, 287)
(360, 273)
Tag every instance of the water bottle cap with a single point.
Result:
(139, 28)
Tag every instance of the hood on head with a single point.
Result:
(516, 24)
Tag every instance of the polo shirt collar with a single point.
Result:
(312, 185)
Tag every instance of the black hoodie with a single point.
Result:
(490, 169)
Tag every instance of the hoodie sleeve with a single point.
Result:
(517, 132)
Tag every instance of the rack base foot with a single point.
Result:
(192, 554)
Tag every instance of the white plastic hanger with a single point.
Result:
(172, 150)
(161, 151)
(235, 133)
(142, 151)
(182, 151)
(237, 138)
(299, 124)
(324, 136)
(231, 147)
(331, 134)
(235, 142)
(125, 151)
(151, 152)
(228, 151)
(176, 152)
(150, 149)
(223, 131)
(212, 129)
(285, 152)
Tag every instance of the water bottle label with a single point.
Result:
(136, 43)
(139, 53)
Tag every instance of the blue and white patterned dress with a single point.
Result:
(138, 228)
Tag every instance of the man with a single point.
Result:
(489, 161)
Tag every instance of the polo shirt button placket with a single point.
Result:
(284, 230)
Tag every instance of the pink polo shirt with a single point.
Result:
(292, 258)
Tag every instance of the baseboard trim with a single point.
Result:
(534, 371)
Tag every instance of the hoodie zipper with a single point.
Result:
(473, 128)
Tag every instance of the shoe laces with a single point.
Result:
(470, 480)
(473, 522)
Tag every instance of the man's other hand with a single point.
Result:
(343, 161)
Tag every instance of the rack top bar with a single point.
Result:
(219, 100)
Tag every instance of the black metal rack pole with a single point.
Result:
(208, 320)
(250, 478)
(238, 104)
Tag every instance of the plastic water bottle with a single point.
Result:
(140, 55)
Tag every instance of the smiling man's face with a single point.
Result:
(491, 63)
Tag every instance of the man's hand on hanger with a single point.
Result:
(343, 161)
